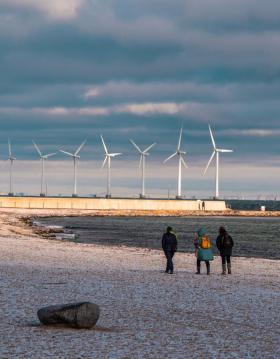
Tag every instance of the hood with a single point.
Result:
(201, 231)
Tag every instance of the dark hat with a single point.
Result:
(222, 230)
(169, 229)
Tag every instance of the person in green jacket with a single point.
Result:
(203, 248)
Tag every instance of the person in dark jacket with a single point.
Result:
(224, 244)
(169, 246)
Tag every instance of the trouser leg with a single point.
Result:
(198, 266)
(223, 265)
(228, 265)
(169, 264)
(171, 267)
(207, 267)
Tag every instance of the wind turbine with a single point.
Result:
(107, 159)
(216, 152)
(75, 157)
(11, 159)
(180, 155)
(143, 155)
(43, 158)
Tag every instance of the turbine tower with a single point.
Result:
(180, 155)
(216, 153)
(75, 156)
(11, 159)
(43, 158)
(143, 155)
(107, 159)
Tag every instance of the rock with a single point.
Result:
(75, 315)
(62, 236)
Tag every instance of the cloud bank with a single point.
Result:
(73, 69)
(55, 9)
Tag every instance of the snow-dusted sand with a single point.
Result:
(144, 312)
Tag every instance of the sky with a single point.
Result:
(74, 69)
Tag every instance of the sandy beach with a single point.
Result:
(145, 313)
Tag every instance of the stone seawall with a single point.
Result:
(83, 203)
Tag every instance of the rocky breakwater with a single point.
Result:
(52, 231)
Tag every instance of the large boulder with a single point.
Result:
(75, 315)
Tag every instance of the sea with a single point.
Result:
(253, 236)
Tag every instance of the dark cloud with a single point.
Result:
(138, 70)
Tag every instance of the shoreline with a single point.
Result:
(30, 213)
(59, 233)
(24, 222)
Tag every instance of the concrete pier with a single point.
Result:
(86, 203)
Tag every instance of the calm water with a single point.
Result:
(253, 237)
(253, 205)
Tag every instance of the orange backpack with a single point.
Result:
(205, 242)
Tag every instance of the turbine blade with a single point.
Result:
(212, 137)
(140, 162)
(67, 153)
(224, 151)
(184, 163)
(180, 139)
(134, 144)
(208, 164)
(114, 154)
(168, 158)
(104, 162)
(37, 148)
(104, 145)
(50, 154)
(10, 148)
(148, 148)
(80, 147)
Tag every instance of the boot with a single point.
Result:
(224, 272)
(208, 268)
(229, 268)
(198, 270)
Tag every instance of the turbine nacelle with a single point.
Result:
(75, 155)
(144, 152)
(70, 154)
(143, 155)
(11, 157)
(180, 154)
(107, 154)
(107, 160)
(43, 157)
(216, 152)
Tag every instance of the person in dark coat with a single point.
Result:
(224, 244)
(169, 246)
